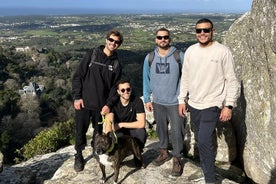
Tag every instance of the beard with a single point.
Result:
(164, 46)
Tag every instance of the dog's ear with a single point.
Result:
(111, 136)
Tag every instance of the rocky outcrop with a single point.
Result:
(57, 168)
(252, 39)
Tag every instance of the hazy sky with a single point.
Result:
(177, 5)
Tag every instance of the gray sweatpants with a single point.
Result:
(164, 114)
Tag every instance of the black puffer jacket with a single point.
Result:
(96, 83)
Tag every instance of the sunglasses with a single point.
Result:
(160, 37)
(124, 90)
(112, 40)
(205, 30)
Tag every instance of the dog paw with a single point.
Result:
(143, 166)
(102, 181)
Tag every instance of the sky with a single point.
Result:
(205, 6)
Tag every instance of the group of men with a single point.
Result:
(203, 82)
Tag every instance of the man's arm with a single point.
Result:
(232, 83)
(79, 75)
(233, 86)
(140, 123)
(108, 125)
(146, 81)
(182, 107)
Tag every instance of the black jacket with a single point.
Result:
(96, 83)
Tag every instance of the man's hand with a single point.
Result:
(78, 104)
(225, 114)
(182, 109)
(105, 110)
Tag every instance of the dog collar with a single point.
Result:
(115, 136)
(111, 147)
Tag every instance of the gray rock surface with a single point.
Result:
(57, 168)
(252, 39)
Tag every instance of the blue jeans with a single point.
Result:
(205, 122)
(164, 114)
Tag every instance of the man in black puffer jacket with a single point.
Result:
(93, 89)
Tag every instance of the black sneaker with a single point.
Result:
(79, 163)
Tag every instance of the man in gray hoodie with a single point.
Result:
(161, 78)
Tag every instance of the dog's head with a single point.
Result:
(103, 143)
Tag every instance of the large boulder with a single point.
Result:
(252, 39)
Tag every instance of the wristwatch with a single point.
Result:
(229, 107)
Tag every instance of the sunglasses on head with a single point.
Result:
(160, 37)
(124, 90)
(205, 30)
(112, 40)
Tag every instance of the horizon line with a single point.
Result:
(14, 11)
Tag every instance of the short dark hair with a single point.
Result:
(123, 81)
(205, 20)
(115, 33)
(163, 29)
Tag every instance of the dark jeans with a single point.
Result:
(83, 118)
(204, 122)
(139, 134)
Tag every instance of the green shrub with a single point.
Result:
(152, 134)
(48, 140)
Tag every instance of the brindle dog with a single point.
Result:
(111, 151)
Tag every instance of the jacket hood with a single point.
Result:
(171, 51)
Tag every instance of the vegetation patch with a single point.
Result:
(48, 140)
